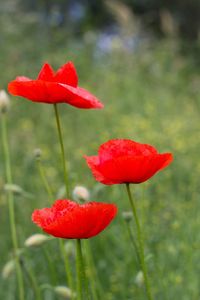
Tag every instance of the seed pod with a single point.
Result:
(127, 215)
(37, 153)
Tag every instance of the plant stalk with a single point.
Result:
(11, 206)
(82, 286)
(140, 242)
(44, 179)
(66, 177)
(96, 288)
(135, 246)
(33, 283)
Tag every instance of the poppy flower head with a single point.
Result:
(54, 87)
(126, 161)
(70, 220)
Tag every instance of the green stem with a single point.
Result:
(62, 149)
(33, 283)
(51, 266)
(135, 246)
(67, 265)
(93, 276)
(44, 180)
(82, 286)
(11, 207)
(141, 243)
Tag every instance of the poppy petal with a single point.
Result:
(94, 165)
(46, 73)
(38, 90)
(67, 75)
(22, 78)
(81, 98)
(120, 147)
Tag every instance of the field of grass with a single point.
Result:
(151, 96)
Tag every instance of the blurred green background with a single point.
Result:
(141, 58)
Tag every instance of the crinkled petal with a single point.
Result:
(124, 147)
(42, 217)
(67, 75)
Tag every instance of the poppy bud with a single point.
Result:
(81, 194)
(4, 101)
(139, 279)
(36, 240)
(37, 153)
(8, 269)
(127, 215)
(63, 291)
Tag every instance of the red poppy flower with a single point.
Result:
(126, 161)
(70, 220)
(54, 87)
